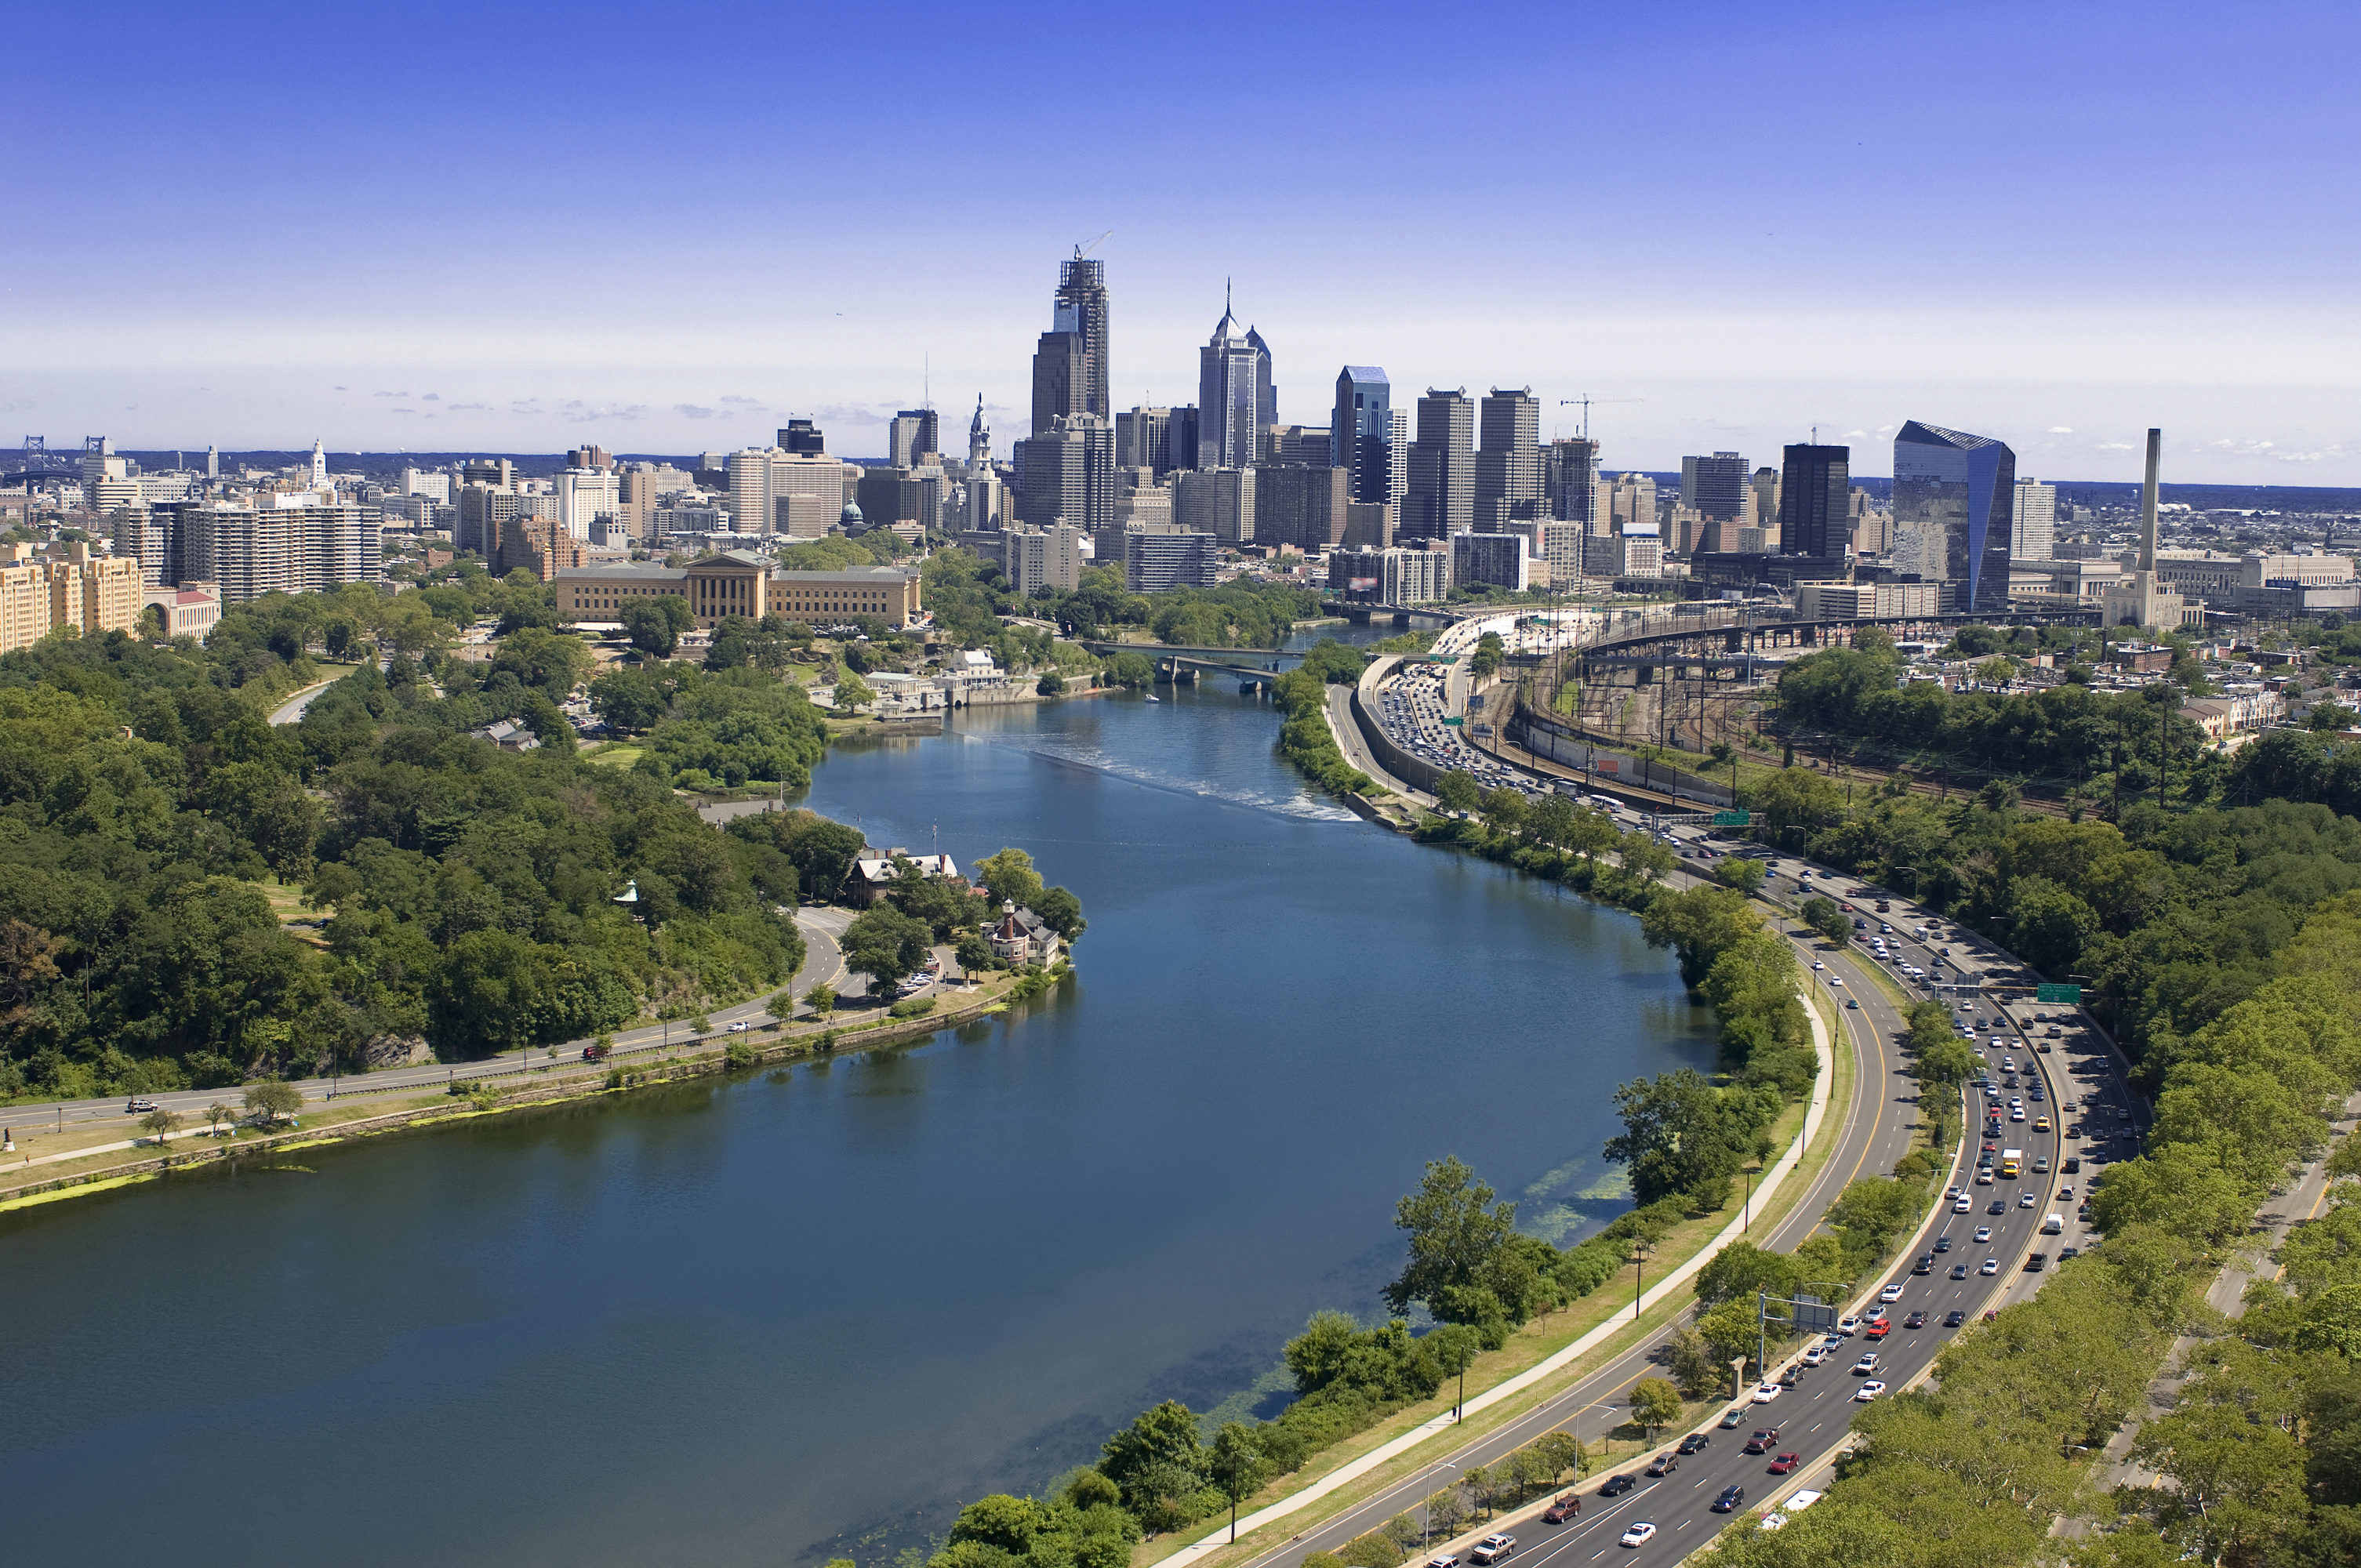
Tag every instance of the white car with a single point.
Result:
(1984, 1234)
(1961, 1205)
(1868, 1391)
(1992, 1265)
(1835, 980)
(1866, 1365)
(1848, 1326)
(1815, 1355)
(1766, 1392)
(739, 1027)
(1891, 1293)
(1639, 1534)
(1817, 964)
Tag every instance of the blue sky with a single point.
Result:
(668, 229)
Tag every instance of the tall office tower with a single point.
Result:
(1230, 373)
(1953, 498)
(1442, 497)
(1301, 444)
(912, 437)
(2035, 520)
(1509, 464)
(1816, 501)
(1180, 440)
(1266, 394)
(1570, 479)
(1140, 437)
(1068, 475)
(1060, 380)
(802, 438)
(1081, 310)
(1715, 489)
(1764, 492)
(1300, 504)
(1361, 432)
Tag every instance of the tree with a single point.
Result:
(1010, 877)
(1505, 809)
(1823, 916)
(1455, 1232)
(1693, 1362)
(852, 693)
(1061, 912)
(1456, 1347)
(655, 625)
(274, 1099)
(1444, 1510)
(1155, 1461)
(1745, 876)
(1457, 791)
(820, 1000)
(216, 1114)
(1730, 1329)
(160, 1123)
(1238, 1466)
(1655, 1404)
(1676, 1135)
(886, 945)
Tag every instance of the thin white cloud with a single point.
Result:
(2114, 446)
(692, 411)
(471, 408)
(2061, 430)
(1854, 436)
(750, 402)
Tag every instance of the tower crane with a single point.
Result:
(1082, 250)
(1584, 402)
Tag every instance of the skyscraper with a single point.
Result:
(1068, 475)
(1060, 378)
(1715, 486)
(2034, 521)
(1570, 479)
(1954, 496)
(1081, 310)
(1508, 466)
(1815, 501)
(1266, 394)
(1142, 439)
(1442, 497)
(802, 438)
(1361, 432)
(912, 433)
(1231, 370)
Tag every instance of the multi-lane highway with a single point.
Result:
(1813, 1416)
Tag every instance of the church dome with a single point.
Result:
(849, 516)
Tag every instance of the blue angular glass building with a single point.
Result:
(1953, 513)
(1360, 432)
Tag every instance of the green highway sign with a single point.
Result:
(2058, 993)
(1733, 819)
(1453, 721)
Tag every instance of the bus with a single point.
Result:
(2010, 1159)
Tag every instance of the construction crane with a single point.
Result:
(1082, 250)
(1585, 402)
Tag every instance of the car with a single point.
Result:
(739, 1027)
(1852, 1003)
(1835, 980)
(1958, 1271)
(1763, 1441)
(1735, 1418)
(1997, 1206)
(1766, 1392)
(1638, 1535)
(1732, 1498)
(1493, 1547)
(1891, 1292)
(1962, 1204)
(1868, 1391)
(1942, 1243)
(1878, 1330)
(1866, 1365)
(1954, 1318)
(1815, 1355)
(1784, 1464)
(1849, 1325)
(1914, 1321)
(2068, 1107)
(1817, 964)
(2041, 1166)
(1565, 1508)
(1876, 1315)
(2041, 1124)
(1443, 1562)
(1665, 1465)
(2034, 1262)
(1925, 1265)
(2025, 1199)
(2068, 1254)
(1992, 1265)
(1693, 1442)
(1833, 1341)
(1618, 1485)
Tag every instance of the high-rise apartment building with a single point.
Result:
(1441, 500)
(1158, 560)
(484, 507)
(1570, 479)
(1509, 462)
(1035, 558)
(66, 585)
(775, 492)
(913, 436)
(1219, 501)
(1232, 368)
(1361, 435)
(1815, 501)
(253, 551)
(1067, 475)
(1556, 546)
(2035, 520)
(1300, 505)
(585, 493)
(1629, 500)
(1954, 500)
(1715, 486)
(1498, 559)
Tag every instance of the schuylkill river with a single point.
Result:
(808, 1314)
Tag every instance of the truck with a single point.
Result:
(2011, 1162)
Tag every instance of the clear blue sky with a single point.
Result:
(669, 228)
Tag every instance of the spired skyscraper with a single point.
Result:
(1233, 384)
(1954, 497)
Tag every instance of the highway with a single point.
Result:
(1815, 1416)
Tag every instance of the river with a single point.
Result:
(806, 1313)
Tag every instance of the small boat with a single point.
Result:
(1153, 697)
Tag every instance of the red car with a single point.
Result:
(1565, 1508)
(594, 1053)
(1878, 1330)
(1786, 1462)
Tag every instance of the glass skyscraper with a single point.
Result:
(1361, 430)
(1953, 498)
(1815, 500)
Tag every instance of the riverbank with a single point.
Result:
(710, 1053)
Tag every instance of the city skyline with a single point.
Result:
(595, 297)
